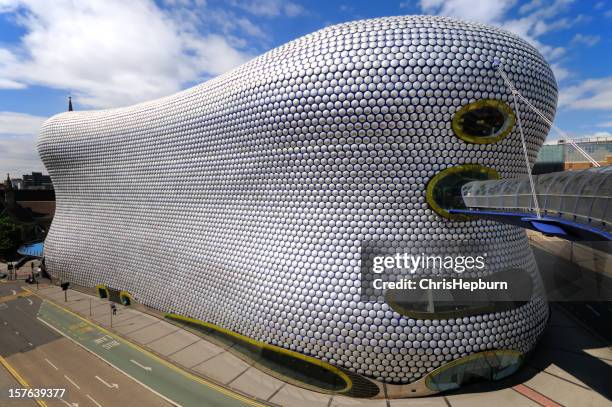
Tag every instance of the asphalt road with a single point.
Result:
(7, 381)
(169, 381)
(46, 359)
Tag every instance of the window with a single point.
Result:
(488, 365)
(444, 189)
(450, 303)
(483, 122)
(285, 364)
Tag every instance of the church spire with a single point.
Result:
(8, 184)
(70, 103)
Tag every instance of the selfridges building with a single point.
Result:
(242, 205)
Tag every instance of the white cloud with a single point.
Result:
(589, 94)
(588, 40)
(560, 72)
(536, 19)
(110, 52)
(271, 8)
(16, 124)
(532, 5)
(473, 10)
(18, 133)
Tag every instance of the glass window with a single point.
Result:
(483, 122)
(488, 365)
(287, 365)
(458, 303)
(444, 189)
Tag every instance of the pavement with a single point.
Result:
(571, 366)
(572, 265)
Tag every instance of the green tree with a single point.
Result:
(10, 237)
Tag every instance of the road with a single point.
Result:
(46, 359)
(167, 380)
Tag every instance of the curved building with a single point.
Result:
(244, 202)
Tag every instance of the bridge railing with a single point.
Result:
(581, 196)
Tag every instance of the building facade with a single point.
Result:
(244, 202)
(560, 156)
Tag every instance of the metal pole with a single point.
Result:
(66, 296)
(90, 307)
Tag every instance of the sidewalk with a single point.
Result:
(555, 374)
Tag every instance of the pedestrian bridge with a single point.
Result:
(573, 205)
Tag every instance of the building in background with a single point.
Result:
(33, 181)
(32, 208)
(559, 155)
(37, 180)
(26, 204)
(17, 183)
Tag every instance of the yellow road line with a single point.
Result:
(20, 379)
(14, 297)
(164, 362)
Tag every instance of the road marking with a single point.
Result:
(70, 404)
(14, 296)
(16, 332)
(92, 399)
(533, 395)
(72, 381)
(593, 310)
(49, 362)
(30, 301)
(19, 378)
(30, 343)
(110, 386)
(152, 390)
(198, 379)
(147, 368)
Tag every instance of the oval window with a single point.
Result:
(483, 366)
(484, 121)
(444, 189)
(447, 303)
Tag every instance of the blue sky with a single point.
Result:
(109, 53)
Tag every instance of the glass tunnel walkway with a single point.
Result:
(574, 205)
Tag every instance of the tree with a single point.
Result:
(10, 237)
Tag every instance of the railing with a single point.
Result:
(579, 196)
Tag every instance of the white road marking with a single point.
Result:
(110, 386)
(30, 301)
(94, 401)
(72, 381)
(14, 292)
(147, 368)
(49, 362)
(30, 343)
(70, 404)
(151, 389)
(593, 309)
